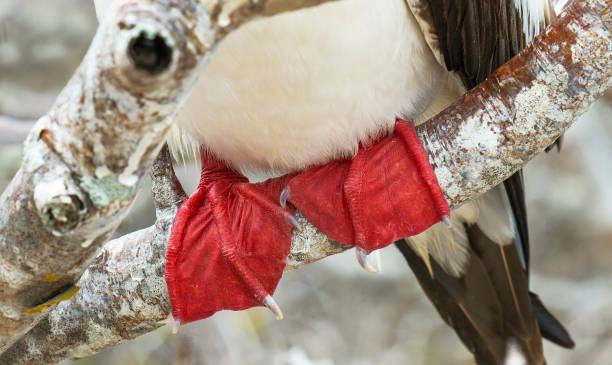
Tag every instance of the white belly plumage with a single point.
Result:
(306, 87)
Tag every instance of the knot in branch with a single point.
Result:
(60, 206)
(150, 52)
(148, 49)
(62, 214)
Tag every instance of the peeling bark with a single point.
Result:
(123, 293)
(472, 145)
(522, 108)
(85, 159)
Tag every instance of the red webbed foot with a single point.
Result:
(406, 132)
(230, 239)
(388, 191)
(228, 245)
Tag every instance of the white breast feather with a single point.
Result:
(307, 87)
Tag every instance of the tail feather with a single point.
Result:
(509, 278)
(550, 327)
(483, 304)
(467, 303)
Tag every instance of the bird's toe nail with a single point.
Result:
(362, 258)
(271, 304)
(446, 220)
(284, 196)
(175, 325)
(293, 221)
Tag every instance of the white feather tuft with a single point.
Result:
(534, 14)
(448, 247)
(496, 220)
(514, 355)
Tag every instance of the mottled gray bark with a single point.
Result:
(123, 293)
(472, 145)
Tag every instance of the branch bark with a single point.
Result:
(85, 159)
(524, 106)
(472, 145)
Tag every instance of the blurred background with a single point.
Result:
(335, 312)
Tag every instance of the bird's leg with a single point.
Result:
(406, 132)
(254, 194)
(216, 191)
(354, 184)
(228, 246)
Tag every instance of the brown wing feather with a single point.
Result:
(489, 305)
(509, 279)
(469, 304)
(472, 38)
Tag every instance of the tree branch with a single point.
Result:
(85, 159)
(472, 145)
(522, 108)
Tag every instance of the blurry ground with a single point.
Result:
(335, 312)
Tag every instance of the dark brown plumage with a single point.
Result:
(489, 306)
(473, 37)
(471, 305)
